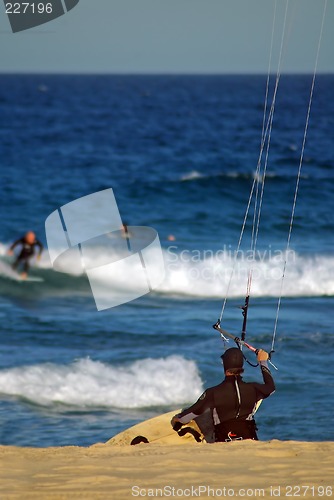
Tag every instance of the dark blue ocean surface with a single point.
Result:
(180, 153)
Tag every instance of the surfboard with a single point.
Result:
(8, 273)
(35, 279)
(159, 430)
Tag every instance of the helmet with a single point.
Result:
(232, 358)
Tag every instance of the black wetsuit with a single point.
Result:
(233, 404)
(27, 251)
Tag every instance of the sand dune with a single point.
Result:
(244, 468)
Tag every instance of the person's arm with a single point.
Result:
(40, 246)
(203, 403)
(17, 242)
(268, 386)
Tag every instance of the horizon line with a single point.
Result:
(170, 73)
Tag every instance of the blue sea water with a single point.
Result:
(180, 153)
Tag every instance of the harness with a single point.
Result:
(235, 430)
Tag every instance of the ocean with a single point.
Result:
(180, 153)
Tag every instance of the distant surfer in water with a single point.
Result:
(233, 402)
(125, 233)
(28, 244)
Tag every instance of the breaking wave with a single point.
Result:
(204, 273)
(87, 383)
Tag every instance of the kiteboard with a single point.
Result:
(159, 430)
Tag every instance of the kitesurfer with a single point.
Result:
(233, 402)
(125, 233)
(28, 244)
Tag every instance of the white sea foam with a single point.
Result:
(194, 174)
(204, 273)
(207, 274)
(232, 174)
(87, 383)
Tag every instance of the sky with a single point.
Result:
(173, 36)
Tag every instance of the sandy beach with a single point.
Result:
(104, 471)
